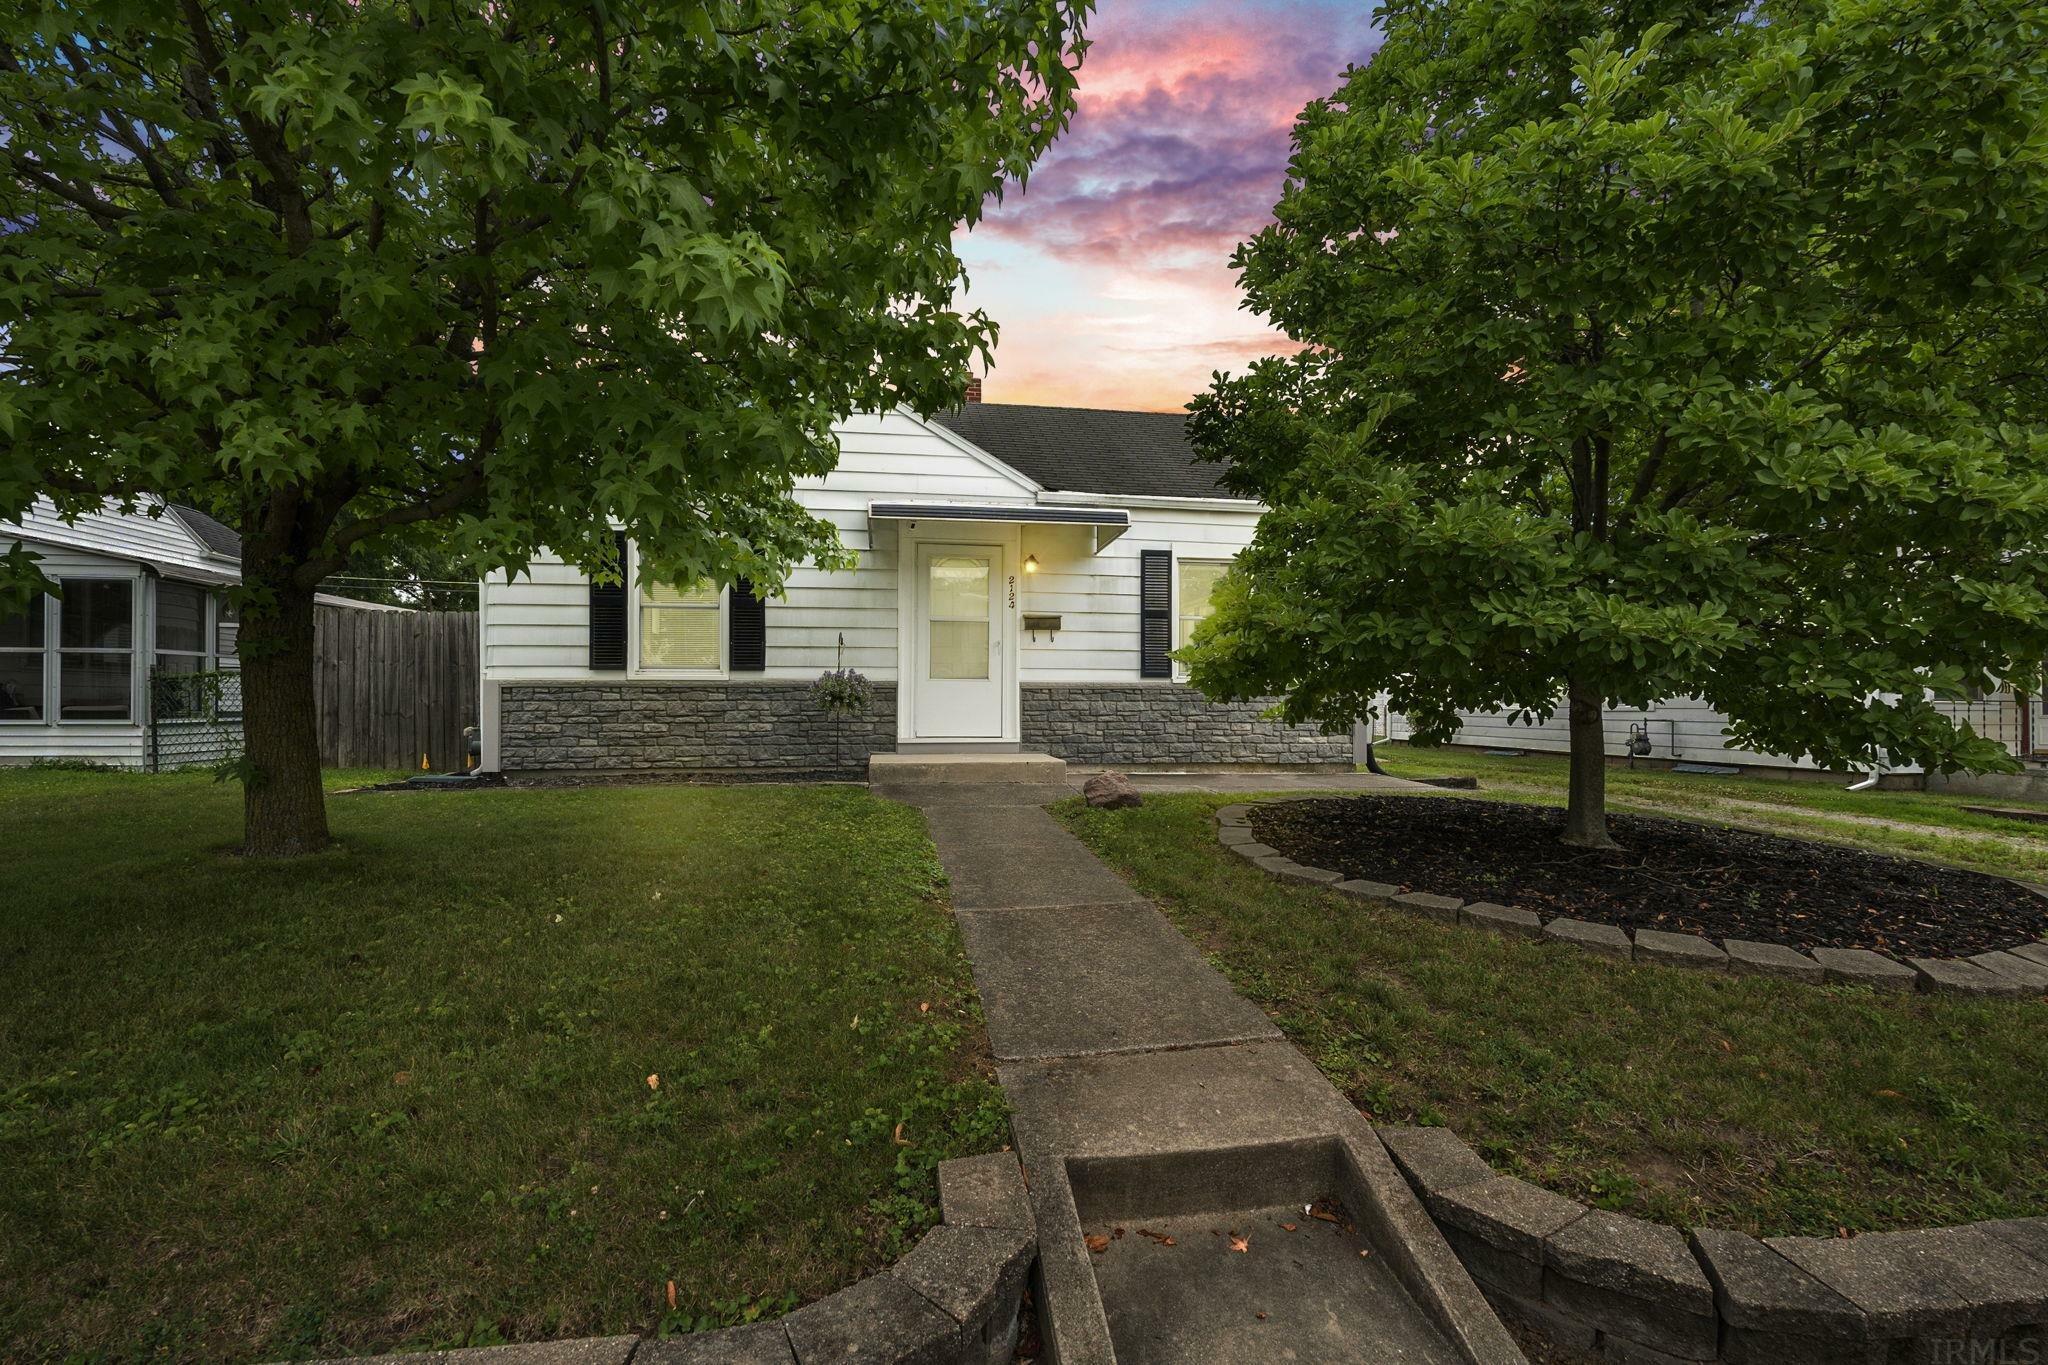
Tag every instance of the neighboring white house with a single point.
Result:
(1023, 574)
(140, 591)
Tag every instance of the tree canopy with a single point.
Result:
(358, 277)
(1651, 350)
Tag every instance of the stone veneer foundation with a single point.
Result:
(765, 727)
(1138, 725)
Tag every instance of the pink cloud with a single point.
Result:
(1177, 153)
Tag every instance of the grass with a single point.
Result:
(1915, 824)
(403, 1093)
(1695, 1099)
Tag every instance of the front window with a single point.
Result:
(682, 629)
(1197, 585)
(96, 649)
(180, 628)
(21, 661)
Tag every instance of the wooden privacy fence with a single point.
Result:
(394, 686)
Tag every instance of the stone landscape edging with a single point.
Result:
(1631, 1290)
(955, 1299)
(2014, 973)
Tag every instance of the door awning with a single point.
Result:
(1109, 522)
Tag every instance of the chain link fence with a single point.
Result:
(195, 719)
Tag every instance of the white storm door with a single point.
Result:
(960, 642)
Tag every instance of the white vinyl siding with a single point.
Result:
(1685, 730)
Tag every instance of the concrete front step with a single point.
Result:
(953, 770)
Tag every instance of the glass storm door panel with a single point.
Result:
(960, 659)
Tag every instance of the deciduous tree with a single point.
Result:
(1651, 350)
(360, 276)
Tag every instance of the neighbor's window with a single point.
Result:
(21, 661)
(180, 628)
(682, 629)
(1198, 579)
(227, 623)
(96, 649)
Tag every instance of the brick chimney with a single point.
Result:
(974, 388)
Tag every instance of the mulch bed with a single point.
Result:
(1671, 874)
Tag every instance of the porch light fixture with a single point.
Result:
(1030, 563)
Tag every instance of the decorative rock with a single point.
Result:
(1945, 976)
(1368, 891)
(984, 1192)
(880, 1320)
(1679, 950)
(1771, 959)
(1111, 791)
(1759, 1292)
(1633, 1280)
(2032, 952)
(1502, 919)
(1443, 908)
(1861, 967)
(1603, 939)
(1288, 870)
(1498, 1226)
(1434, 1158)
(2032, 975)
(762, 1343)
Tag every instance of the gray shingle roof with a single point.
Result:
(1090, 450)
(222, 540)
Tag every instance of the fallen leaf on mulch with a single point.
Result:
(1097, 1243)
(1325, 1215)
(1289, 1227)
(1158, 1237)
(1238, 1243)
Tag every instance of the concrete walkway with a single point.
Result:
(1162, 1115)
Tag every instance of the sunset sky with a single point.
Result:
(1110, 275)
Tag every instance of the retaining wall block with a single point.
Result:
(1770, 959)
(984, 1192)
(1861, 967)
(879, 1321)
(762, 1343)
(1441, 908)
(1679, 950)
(1945, 976)
(2032, 975)
(1434, 1159)
(1633, 1280)
(1380, 893)
(1497, 1227)
(1603, 939)
(976, 1276)
(1502, 919)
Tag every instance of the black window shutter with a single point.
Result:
(746, 629)
(1155, 613)
(608, 618)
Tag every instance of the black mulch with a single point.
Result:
(1672, 874)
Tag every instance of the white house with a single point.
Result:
(1023, 574)
(140, 591)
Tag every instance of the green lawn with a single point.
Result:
(402, 1093)
(1696, 1099)
(1916, 824)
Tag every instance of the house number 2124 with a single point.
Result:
(1013, 592)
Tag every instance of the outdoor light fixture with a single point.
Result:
(1030, 563)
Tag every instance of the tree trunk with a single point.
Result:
(1585, 820)
(285, 811)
